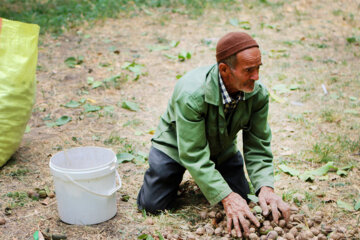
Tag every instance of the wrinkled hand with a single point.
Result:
(237, 210)
(267, 196)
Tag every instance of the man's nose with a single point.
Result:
(255, 75)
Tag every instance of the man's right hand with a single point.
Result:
(237, 210)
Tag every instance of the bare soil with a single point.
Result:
(304, 46)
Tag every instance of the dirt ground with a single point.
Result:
(310, 66)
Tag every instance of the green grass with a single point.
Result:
(54, 16)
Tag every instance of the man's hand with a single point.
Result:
(237, 210)
(267, 196)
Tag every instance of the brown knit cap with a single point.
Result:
(232, 43)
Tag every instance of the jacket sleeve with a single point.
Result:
(256, 145)
(194, 150)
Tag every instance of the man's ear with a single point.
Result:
(224, 70)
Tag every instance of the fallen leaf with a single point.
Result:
(289, 170)
(344, 205)
(357, 205)
(130, 106)
(124, 157)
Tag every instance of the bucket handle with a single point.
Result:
(98, 194)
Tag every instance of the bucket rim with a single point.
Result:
(72, 170)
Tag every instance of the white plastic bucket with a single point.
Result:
(85, 184)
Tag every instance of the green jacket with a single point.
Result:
(195, 133)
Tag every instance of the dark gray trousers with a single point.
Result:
(162, 179)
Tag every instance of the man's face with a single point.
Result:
(243, 76)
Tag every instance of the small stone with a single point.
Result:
(310, 223)
(2, 221)
(335, 236)
(279, 231)
(302, 236)
(225, 238)
(289, 225)
(191, 237)
(309, 234)
(219, 216)
(212, 214)
(218, 231)
(272, 235)
(321, 237)
(326, 229)
(280, 238)
(233, 233)
(209, 229)
(253, 236)
(252, 204)
(252, 230)
(294, 231)
(266, 223)
(176, 236)
(341, 230)
(42, 194)
(200, 231)
(319, 213)
(51, 195)
(315, 231)
(263, 237)
(282, 223)
(294, 209)
(203, 215)
(297, 217)
(289, 236)
(317, 219)
(149, 221)
(298, 197)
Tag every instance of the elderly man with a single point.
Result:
(198, 133)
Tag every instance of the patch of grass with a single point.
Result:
(55, 16)
(324, 151)
(328, 116)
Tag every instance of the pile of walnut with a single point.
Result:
(300, 227)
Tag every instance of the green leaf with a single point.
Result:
(157, 47)
(307, 177)
(72, 104)
(109, 109)
(253, 198)
(294, 87)
(351, 39)
(96, 84)
(130, 106)
(90, 80)
(289, 170)
(169, 56)
(344, 205)
(308, 58)
(70, 62)
(174, 44)
(124, 157)
(143, 236)
(357, 205)
(341, 173)
(280, 88)
(257, 209)
(91, 108)
(62, 120)
(161, 237)
(27, 129)
(234, 22)
(36, 235)
(321, 171)
(112, 79)
(245, 25)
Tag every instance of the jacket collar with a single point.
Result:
(212, 88)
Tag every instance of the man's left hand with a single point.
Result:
(268, 196)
